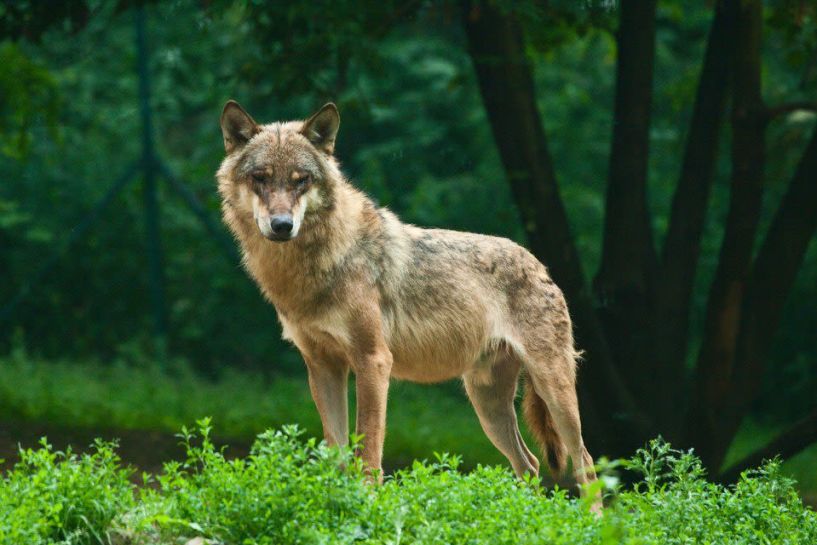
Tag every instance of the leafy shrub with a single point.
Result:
(435, 503)
(61, 497)
(285, 491)
(675, 504)
(290, 491)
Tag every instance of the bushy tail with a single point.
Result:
(541, 425)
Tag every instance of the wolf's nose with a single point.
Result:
(281, 224)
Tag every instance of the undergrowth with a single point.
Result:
(290, 490)
(132, 392)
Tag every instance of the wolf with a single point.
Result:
(357, 290)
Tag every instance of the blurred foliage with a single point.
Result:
(77, 395)
(413, 135)
(27, 91)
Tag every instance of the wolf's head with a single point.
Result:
(282, 171)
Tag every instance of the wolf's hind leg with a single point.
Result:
(557, 388)
(528, 454)
(492, 393)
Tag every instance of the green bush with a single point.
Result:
(675, 504)
(61, 497)
(285, 491)
(293, 491)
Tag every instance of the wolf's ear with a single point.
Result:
(237, 126)
(322, 128)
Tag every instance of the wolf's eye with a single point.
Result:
(259, 176)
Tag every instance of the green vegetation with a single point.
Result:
(122, 395)
(61, 497)
(135, 395)
(293, 491)
(432, 96)
(419, 136)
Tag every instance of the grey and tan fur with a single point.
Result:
(356, 289)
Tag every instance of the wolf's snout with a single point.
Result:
(281, 225)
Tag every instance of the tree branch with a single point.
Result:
(774, 112)
(773, 274)
(624, 283)
(792, 228)
(710, 406)
(801, 435)
(682, 245)
(628, 248)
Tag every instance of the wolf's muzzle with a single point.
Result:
(280, 227)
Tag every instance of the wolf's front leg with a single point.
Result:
(327, 381)
(372, 374)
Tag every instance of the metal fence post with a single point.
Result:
(151, 203)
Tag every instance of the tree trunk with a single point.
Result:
(496, 47)
(745, 300)
(623, 285)
(679, 259)
(712, 395)
(773, 275)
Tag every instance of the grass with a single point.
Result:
(134, 394)
(122, 395)
(290, 491)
